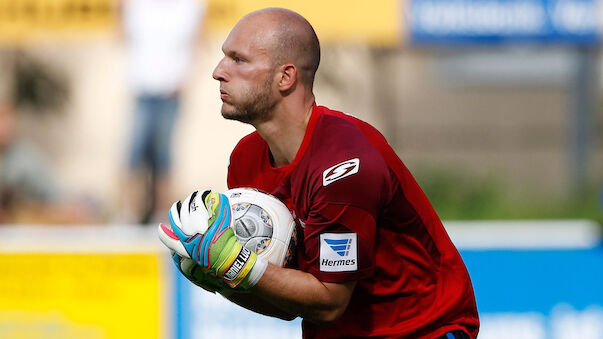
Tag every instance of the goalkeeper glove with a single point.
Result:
(200, 276)
(200, 230)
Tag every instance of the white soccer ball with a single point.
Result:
(263, 224)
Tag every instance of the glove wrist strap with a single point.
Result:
(241, 267)
(256, 272)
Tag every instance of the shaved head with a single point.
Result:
(286, 37)
(270, 59)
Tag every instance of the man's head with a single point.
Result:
(267, 55)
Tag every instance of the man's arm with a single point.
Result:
(258, 305)
(204, 235)
(287, 293)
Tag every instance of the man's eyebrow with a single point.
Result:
(234, 53)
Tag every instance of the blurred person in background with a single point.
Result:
(160, 37)
(29, 191)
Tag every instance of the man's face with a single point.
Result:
(246, 76)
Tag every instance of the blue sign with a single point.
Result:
(537, 294)
(496, 21)
(199, 314)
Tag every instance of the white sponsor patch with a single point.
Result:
(341, 170)
(338, 252)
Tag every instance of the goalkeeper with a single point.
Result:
(373, 258)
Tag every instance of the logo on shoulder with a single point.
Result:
(338, 252)
(341, 170)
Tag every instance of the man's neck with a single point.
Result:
(285, 131)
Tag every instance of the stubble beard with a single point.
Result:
(257, 108)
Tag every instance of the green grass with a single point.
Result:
(459, 197)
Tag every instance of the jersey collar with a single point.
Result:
(316, 112)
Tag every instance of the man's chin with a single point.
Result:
(227, 110)
(230, 113)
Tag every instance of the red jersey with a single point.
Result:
(364, 218)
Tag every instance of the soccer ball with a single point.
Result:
(263, 224)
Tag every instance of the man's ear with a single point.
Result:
(288, 77)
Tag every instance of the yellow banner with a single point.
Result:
(376, 22)
(27, 20)
(91, 296)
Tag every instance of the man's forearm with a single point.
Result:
(258, 305)
(302, 294)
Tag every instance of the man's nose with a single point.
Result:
(219, 73)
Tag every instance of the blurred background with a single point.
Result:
(107, 108)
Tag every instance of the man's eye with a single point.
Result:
(238, 60)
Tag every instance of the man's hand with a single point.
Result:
(200, 230)
(200, 276)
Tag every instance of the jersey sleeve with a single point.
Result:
(339, 243)
(242, 158)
